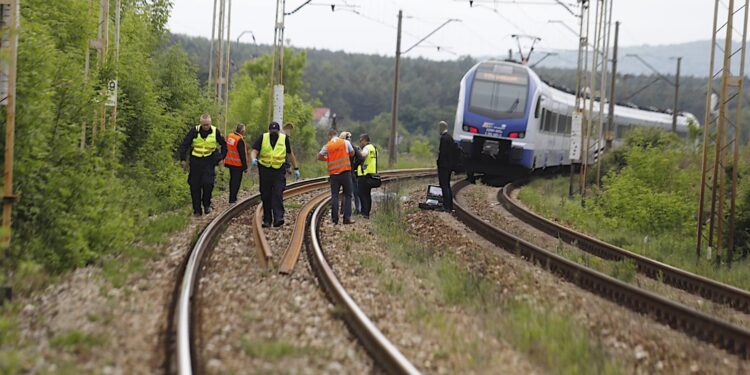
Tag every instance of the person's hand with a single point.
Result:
(296, 174)
(254, 162)
(183, 163)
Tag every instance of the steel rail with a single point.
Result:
(189, 279)
(293, 250)
(386, 355)
(725, 335)
(709, 289)
(259, 234)
(180, 350)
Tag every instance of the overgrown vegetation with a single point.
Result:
(647, 204)
(77, 204)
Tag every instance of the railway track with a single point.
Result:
(727, 336)
(704, 287)
(181, 330)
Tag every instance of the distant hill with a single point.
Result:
(695, 58)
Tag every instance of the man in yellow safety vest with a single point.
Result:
(365, 173)
(203, 142)
(269, 153)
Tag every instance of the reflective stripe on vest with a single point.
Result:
(233, 155)
(203, 147)
(370, 163)
(338, 157)
(272, 157)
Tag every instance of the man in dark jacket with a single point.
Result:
(446, 162)
(203, 142)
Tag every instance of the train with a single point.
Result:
(510, 120)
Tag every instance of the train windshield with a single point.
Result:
(499, 91)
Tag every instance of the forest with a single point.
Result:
(359, 87)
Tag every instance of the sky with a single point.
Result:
(369, 26)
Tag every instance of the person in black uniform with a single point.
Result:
(203, 142)
(269, 155)
(446, 162)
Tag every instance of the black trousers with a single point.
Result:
(201, 180)
(272, 185)
(235, 180)
(337, 181)
(365, 197)
(201, 194)
(444, 178)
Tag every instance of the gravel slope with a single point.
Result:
(85, 325)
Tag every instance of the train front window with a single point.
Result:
(498, 99)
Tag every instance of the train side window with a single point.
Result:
(564, 125)
(543, 122)
(548, 117)
(538, 110)
(555, 121)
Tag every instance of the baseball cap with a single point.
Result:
(274, 126)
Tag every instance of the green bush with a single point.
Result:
(78, 204)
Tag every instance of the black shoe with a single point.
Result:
(197, 214)
(366, 217)
(348, 221)
(278, 223)
(265, 225)
(207, 210)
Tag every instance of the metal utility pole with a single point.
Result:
(211, 53)
(227, 67)
(10, 18)
(276, 104)
(599, 62)
(721, 136)
(675, 108)
(220, 54)
(579, 113)
(603, 92)
(394, 104)
(611, 112)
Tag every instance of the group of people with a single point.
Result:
(353, 170)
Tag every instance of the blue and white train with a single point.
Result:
(509, 119)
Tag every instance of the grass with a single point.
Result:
(458, 286)
(158, 229)
(275, 349)
(552, 339)
(371, 263)
(555, 341)
(548, 197)
(77, 341)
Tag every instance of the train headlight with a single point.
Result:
(516, 135)
(471, 129)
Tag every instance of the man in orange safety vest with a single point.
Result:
(337, 153)
(236, 160)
